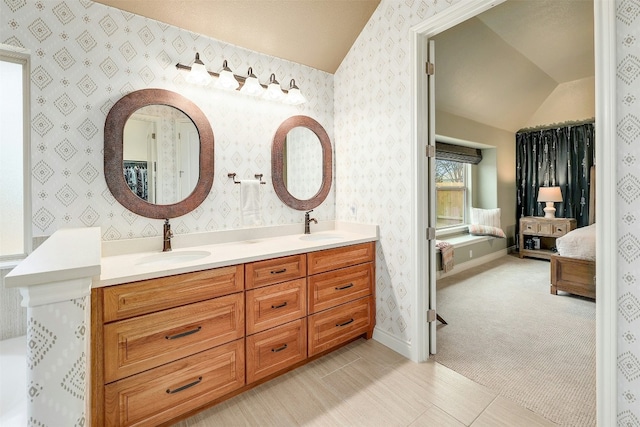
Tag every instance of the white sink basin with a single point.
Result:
(172, 257)
(325, 236)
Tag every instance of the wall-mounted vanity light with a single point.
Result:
(250, 85)
(198, 74)
(226, 79)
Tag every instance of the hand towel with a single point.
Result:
(250, 202)
(446, 250)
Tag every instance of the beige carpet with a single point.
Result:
(507, 332)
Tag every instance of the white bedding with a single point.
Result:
(579, 243)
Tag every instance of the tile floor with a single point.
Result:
(367, 384)
(362, 384)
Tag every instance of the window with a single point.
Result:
(14, 155)
(452, 193)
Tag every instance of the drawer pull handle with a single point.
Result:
(276, 350)
(184, 387)
(345, 323)
(284, 304)
(278, 271)
(183, 334)
(341, 288)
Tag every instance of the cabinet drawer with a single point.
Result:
(529, 227)
(277, 270)
(332, 327)
(276, 349)
(330, 289)
(560, 229)
(332, 259)
(274, 305)
(135, 345)
(156, 396)
(147, 296)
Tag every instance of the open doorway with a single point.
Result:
(606, 104)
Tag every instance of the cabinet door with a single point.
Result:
(276, 349)
(147, 296)
(332, 259)
(335, 326)
(274, 305)
(333, 288)
(545, 228)
(161, 394)
(277, 270)
(141, 343)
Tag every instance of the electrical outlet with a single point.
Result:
(470, 253)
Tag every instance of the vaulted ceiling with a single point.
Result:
(317, 33)
(514, 57)
(498, 68)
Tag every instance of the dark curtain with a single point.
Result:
(555, 157)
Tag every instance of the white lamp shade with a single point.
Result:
(198, 75)
(295, 97)
(274, 92)
(252, 87)
(227, 81)
(550, 194)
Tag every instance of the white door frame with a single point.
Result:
(606, 276)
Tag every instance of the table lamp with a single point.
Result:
(550, 195)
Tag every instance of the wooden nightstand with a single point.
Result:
(547, 230)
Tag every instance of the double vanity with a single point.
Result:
(121, 333)
(175, 332)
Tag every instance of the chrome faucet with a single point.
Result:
(167, 235)
(307, 221)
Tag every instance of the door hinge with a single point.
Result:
(153, 135)
(430, 69)
(431, 316)
(431, 233)
(430, 151)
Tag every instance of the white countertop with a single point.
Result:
(144, 265)
(79, 253)
(68, 254)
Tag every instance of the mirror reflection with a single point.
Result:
(161, 148)
(302, 163)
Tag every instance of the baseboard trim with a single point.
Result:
(391, 341)
(459, 268)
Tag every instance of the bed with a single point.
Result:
(573, 268)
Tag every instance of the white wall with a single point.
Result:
(569, 101)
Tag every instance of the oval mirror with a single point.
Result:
(158, 155)
(301, 159)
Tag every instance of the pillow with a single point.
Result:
(486, 230)
(490, 217)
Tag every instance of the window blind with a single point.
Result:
(458, 153)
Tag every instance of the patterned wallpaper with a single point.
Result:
(85, 56)
(374, 154)
(628, 178)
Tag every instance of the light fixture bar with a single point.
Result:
(241, 79)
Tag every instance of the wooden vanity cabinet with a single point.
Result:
(276, 315)
(163, 349)
(166, 346)
(341, 296)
